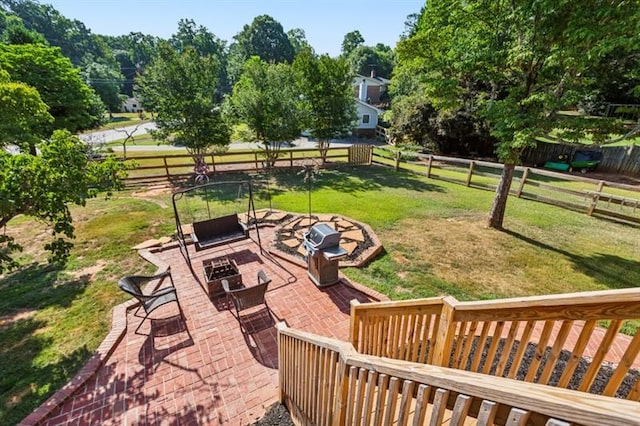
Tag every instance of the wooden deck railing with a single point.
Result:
(556, 340)
(327, 382)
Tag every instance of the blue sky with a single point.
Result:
(324, 22)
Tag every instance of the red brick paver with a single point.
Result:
(207, 370)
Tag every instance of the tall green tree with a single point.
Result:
(328, 101)
(364, 59)
(73, 105)
(37, 186)
(266, 39)
(106, 82)
(517, 64)
(180, 88)
(298, 40)
(206, 44)
(351, 41)
(267, 99)
(25, 117)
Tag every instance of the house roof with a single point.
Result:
(378, 110)
(371, 81)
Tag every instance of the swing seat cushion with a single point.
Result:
(217, 231)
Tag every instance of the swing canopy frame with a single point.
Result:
(218, 224)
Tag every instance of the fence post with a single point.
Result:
(370, 154)
(397, 166)
(213, 162)
(472, 164)
(291, 159)
(445, 333)
(166, 167)
(255, 156)
(523, 181)
(429, 163)
(595, 198)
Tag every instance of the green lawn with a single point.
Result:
(434, 237)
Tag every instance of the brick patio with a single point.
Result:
(209, 372)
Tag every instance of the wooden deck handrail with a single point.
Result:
(552, 339)
(325, 381)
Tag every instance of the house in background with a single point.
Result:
(371, 89)
(131, 105)
(368, 92)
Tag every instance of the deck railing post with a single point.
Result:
(340, 403)
(445, 333)
(354, 324)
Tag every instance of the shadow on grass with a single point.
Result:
(612, 271)
(26, 382)
(37, 286)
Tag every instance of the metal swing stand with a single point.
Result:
(214, 231)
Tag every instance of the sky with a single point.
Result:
(325, 22)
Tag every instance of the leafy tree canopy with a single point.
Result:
(74, 39)
(38, 187)
(351, 41)
(106, 81)
(25, 117)
(298, 40)
(267, 100)
(266, 39)
(178, 87)
(517, 64)
(328, 101)
(364, 59)
(73, 105)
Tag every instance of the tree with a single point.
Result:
(25, 117)
(298, 40)
(328, 101)
(16, 33)
(206, 44)
(364, 59)
(105, 81)
(351, 40)
(265, 39)
(267, 100)
(179, 87)
(73, 105)
(517, 64)
(38, 187)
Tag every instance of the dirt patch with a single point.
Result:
(22, 314)
(90, 271)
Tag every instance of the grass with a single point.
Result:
(121, 119)
(434, 237)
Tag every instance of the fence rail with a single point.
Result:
(169, 167)
(594, 197)
(326, 382)
(524, 338)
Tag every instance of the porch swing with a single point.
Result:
(207, 229)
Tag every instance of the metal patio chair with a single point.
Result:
(248, 297)
(150, 302)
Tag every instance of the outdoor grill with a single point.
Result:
(322, 243)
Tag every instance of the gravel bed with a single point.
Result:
(604, 373)
(276, 415)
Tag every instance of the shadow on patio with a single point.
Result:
(213, 371)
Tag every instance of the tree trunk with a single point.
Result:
(496, 216)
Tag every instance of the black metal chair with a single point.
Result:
(150, 302)
(248, 297)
